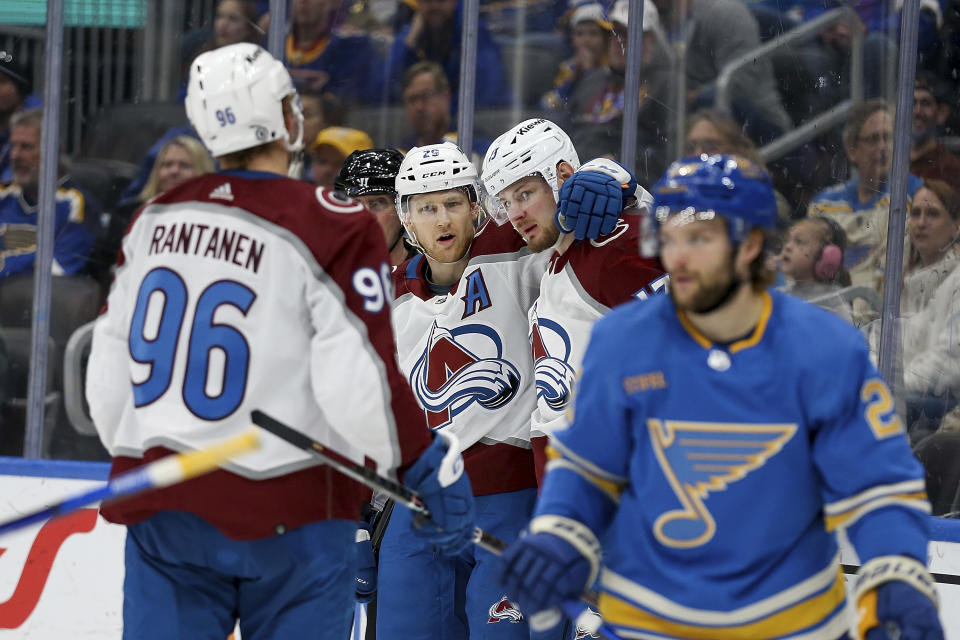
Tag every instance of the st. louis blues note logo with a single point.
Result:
(554, 376)
(459, 367)
(699, 458)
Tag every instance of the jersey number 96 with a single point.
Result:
(159, 351)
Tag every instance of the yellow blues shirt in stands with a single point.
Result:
(719, 474)
(865, 224)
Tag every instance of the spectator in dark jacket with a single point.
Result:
(435, 33)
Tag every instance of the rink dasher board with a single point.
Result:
(79, 593)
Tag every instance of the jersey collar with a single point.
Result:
(744, 343)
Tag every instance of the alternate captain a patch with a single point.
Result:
(699, 458)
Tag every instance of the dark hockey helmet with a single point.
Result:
(369, 171)
(728, 185)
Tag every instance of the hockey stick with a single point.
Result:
(156, 475)
(576, 611)
(399, 493)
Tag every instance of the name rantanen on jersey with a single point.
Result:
(207, 241)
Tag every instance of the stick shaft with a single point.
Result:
(162, 473)
(399, 493)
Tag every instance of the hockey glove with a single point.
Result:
(366, 567)
(593, 198)
(445, 489)
(554, 562)
(896, 600)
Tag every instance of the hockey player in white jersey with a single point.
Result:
(245, 290)
(524, 172)
(460, 316)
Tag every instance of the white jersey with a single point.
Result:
(217, 311)
(465, 353)
(578, 287)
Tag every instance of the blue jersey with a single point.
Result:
(18, 231)
(721, 472)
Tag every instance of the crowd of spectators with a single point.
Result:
(352, 59)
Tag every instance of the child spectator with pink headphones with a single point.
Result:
(812, 261)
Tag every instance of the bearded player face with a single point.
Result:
(698, 256)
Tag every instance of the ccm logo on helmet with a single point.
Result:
(434, 174)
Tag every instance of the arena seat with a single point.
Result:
(127, 131)
(14, 408)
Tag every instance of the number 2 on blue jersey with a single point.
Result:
(160, 351)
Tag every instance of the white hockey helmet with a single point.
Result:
(234, 99)
(534, 146)
(434, 167)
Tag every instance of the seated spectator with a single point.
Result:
(427, 99)
(18, 208)
(322, 58)
(933, 252)
(235, 21)
(180, 159)
(812, 261)
(931, 357)
(931, 109)
(330, 148)
(861, 205)
(715, 32)
(595, 106)
(711, 131)
(435, 34)
(131, 193)
(590, 36)
(15, 95)
(320, 110)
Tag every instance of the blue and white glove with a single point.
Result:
(592, 199)
(366, 587)
(555, 562)
(438, 477)
(896, 600)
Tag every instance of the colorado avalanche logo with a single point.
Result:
(554, 376)
(459, 367)
(503, 609)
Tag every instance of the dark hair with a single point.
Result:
(859, 115)
(737, 141)
(440, 81)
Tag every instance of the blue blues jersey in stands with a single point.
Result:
(723, 471)
(18, 231)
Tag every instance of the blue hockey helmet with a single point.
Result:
(705, 186)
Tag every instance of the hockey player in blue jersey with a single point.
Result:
(721, 437)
